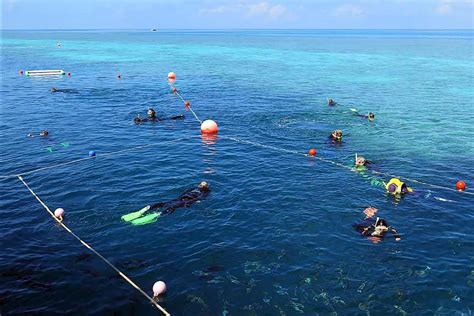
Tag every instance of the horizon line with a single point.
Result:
(242, 29)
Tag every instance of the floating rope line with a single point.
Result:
(186, 103)
(342, 165)
(87, 158)
(126, 278)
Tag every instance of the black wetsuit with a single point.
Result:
(367, 227)
(138, 120)
(54, 90)
(188, 198)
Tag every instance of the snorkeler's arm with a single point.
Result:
(395, 233)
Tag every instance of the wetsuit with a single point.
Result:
(188, 198)
(54, 90)
(138, 120)
(367, 228)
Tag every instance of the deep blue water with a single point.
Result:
(274, 237)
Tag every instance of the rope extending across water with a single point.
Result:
(125, 277)
(112, 153)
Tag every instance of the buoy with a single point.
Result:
(312, 152)
(69, 74)
(91, 153)
(59, 213)
(119, 76)
(175, 90)
(209, 127)
(461, 185)
(159, 288)
(21, 72)
(172, 76)
(187, 105)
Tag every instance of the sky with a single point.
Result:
(237, 14)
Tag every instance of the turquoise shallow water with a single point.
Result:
(275, 235)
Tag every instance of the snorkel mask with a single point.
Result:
(371, 116)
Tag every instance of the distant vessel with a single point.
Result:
(153, 30)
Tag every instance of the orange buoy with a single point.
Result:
(172, 77)
(187, 105)
(209, 127)
(461, 185)
(312, 152)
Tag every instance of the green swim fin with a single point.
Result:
(147, 219)
(131, 216)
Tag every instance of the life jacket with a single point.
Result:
(397, 187)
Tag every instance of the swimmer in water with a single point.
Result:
(397, 187)
(43, 133)
(151, 117)
(186, 199)
(331, 102)
(336, 136)
(370, 116)
(54, 90)
(375, 228)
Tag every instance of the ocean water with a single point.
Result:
(275, 235)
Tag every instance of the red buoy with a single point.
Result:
(312, 152)
(175, 90)
(171, 76)
(187, 105)
(461, 185)
(209, 127)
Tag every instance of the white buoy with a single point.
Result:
(159, 288)
(59, 213)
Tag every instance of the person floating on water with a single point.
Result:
(397, 187)
(55, 90)
(370, 116)
(151, 117)
(186, 199)
(331, 102)
(360, 163)
(373, 228)
(43, 133)
(336, 136)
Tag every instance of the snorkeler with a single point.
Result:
(336, 136)
(43, 133)
(360, 163)
(331, 102)
(370, 116)
(375, 229)
(54, 90)
(186, 199)
(397, 187)
(151, 117)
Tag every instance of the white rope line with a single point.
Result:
(184, 101)
(126, 278)
(342, 165)
(87, 158)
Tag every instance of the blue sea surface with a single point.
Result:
(275, 235)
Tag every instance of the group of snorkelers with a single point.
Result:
(375, 228)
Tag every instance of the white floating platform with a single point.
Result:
(45, 72)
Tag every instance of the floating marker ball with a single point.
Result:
(175, 90)
(187, 105)
(461, 185)
(119, 76)
(69, 74)
(59, 213)
(159, 288)
(209, 127)
(91, 153)
(172, 76)
(21, 72)
(312, 152)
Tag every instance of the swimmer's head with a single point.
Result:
(371, 116)
(370, 211)
(44, 133)
(151, 113)
(53, 89)
(337, 135)
(203, 186)
(360, 161)
(330, 102)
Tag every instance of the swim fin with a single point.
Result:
(147, 219)
(131, 216)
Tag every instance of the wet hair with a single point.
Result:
(371, 115)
